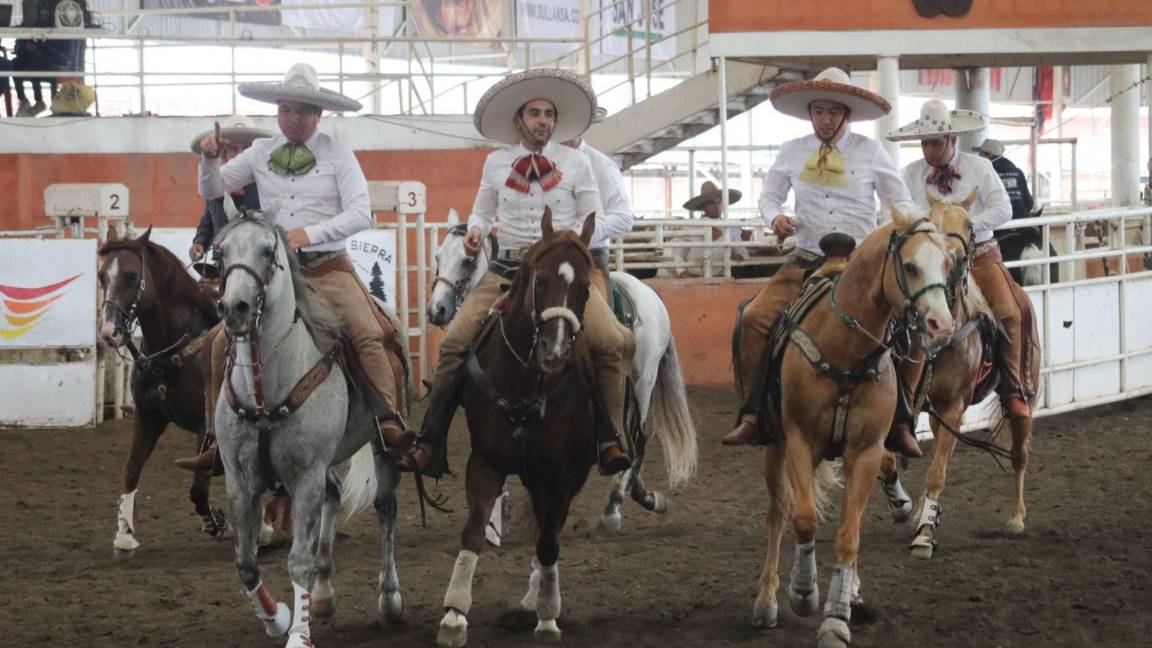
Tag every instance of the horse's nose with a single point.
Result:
(108, 334)
(937, 327)
(240, 308)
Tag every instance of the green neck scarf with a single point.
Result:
(291, 159)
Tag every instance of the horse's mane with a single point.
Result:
(321, 321)
(166, 271)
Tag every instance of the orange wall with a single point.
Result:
(163, 185)
(837, 15)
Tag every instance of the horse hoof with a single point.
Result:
(833, 633)
(122, 555)
(659, 502)
(323, 608)
(391, 606)
(764, 615)
(547, 630)
(453, 630)
(804, 603)
(278, 625)
(1015, 526)
(900, 514)
(612, 523)
(922, 551)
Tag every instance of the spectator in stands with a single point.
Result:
(710, 201)
(239, 134)
(48, 55)
(1015, 183)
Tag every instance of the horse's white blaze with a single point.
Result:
(930, 259)
(108, 326)
(567, 271)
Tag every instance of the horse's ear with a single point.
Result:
(588, 228)
(546, 223)
(113, 234)
(269, 215)
(230, 208)
(453, 218)
(147, 234)
(967, 202)
(932, 200)
(899, 218)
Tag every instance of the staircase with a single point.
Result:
(679, 113)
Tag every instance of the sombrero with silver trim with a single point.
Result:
(937, 121)
(573, 97)
(709, 192)
(237, 129)
(832, 84)
(301, 84)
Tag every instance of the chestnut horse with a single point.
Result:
(529, 400)
(837, 397)
(956, 377)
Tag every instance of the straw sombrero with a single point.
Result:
(937, 121)
(832, 84)
(237, 129)
(302, 84)
(574, 100)
(709, 192)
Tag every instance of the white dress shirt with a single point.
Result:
(330, 202)
(992, 207)
(822, 209)
(520, 214)
(617, 217)
(696, 255)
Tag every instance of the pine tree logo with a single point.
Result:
(376, 286)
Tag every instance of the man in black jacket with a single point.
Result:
(1015, 183)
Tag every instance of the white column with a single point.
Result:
(1125, 135)
(1148, 89)
(973, 92)
(371, 53)
(723, 78)
(888, 86)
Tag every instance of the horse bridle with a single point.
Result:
(263, 281)
(458, 287)
(129, 315)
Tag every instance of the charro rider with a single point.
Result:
(322, 197)
(836, 175)
(946, 172)
(530, 112)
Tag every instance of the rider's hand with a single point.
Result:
(211, 145)
(473, 241)
(298, 239)
(196, 252)
(783, 227)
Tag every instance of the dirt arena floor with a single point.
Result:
(1078, 576)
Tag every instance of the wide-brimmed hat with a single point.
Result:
(572, 96)
(992, 147)
(709, 192)
(937, 121)
(237, 129)
(301, 84)
(832, 84)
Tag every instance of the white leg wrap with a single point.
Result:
(126, 523)
(459, 594)
(899, 502)
(276, 616)
(300, 611)
(548, 602)
(839, 602)
(530, 598)
(803, 591)
(495, 529)
(930, 514)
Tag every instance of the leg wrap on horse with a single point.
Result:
(803, 590)
(276, 616)
(839, 602)
(459, 594)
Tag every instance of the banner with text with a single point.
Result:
(628, 16)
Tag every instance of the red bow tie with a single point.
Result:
(942, 178)
(533, 168)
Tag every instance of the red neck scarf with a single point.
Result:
(533, 168)
(942, 177)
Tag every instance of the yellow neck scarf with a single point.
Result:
(825, 167)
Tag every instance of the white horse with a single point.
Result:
(278, 337)
(659, 384)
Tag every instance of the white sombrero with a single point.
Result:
(237, 129)
(574, 100)
(302, 84)
(832, 84)
(937, 121)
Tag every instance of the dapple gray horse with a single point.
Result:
(278, 333)
(659, 385)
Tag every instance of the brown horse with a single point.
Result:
(530, 409)
(145, 283)
(960, 374)
(838, 396)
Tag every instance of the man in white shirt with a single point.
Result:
(948, 173)
(617, 217)
(529, 112)
(710, 202)
(836, 175)
(323, 199)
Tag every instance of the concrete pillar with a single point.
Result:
(888, 86)
(1148, 102)
(1126, 160)
(973, 92)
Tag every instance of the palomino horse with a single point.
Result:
(659, 385)
(838, 395)
(143, 282)
(955, 378)
(531, 412)
(286, 413)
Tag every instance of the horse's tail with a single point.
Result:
(827, 479)
(671, 419)
(359, 489)
(1033, 274)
